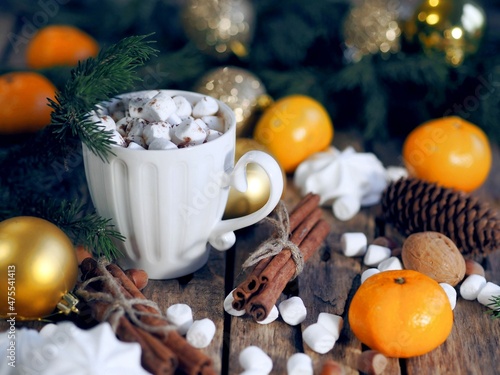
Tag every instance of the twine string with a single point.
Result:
(279, 242)
(118, 304)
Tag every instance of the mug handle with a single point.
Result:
(223, 237)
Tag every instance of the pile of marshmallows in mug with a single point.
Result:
(154, 120)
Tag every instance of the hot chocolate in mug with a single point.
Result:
(169, 203)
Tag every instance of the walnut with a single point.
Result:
(434, 255)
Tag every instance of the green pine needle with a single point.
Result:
(92, 82)
(495, 307)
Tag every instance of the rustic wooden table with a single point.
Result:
(326, 285)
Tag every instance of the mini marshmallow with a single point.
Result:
(104, 122)
(471, 286)
(183, 107)
(228, 306)
(273, 315)
(346, 206)
(135, 128)
(174, 119)
(201, 333)
(251, 372)
(159, 108)
(206, 106)
(254, 358)
(135, 146)
(299, 364)
(137, 139)
(214, 123)
(332, 323)
(212, 134)
(293, 311)
(318, 338)
(367, 273)
(451, 293)
(162, 144)
(376, 254)
(156, 130)
(353, 244)
(392, 263)
(136, 106)
(116, 138)
(202, 124)
(189, 133)
(486, 294)
(181, 316)
(122, 125)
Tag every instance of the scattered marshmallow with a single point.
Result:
(271, 317)
(451, 293)
(293, 311)
(486, 294)
(135, 146)
(212, 134)
(376, 254)
(367, 273)
(254, 358)
(318, 338)
(181, 316)
(299, 364)
(346, 206)
(471, 286)
(207, 106)
(353, 244)
(201, 333)
(136, 106)
(392, 263)
(332, 323)
(228, 306)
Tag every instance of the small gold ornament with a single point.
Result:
(219, 27)
(241, 90)
(371, 27)
(38, 268)
(257, 194)
(454, 28)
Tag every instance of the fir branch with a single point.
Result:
(86, 229)
(495, 307)
(92, 82)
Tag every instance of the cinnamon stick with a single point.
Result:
(155, 357)
(191, 360)
(260, 304)
(308, 206)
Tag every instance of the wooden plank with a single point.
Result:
(277, 339)
(203, 291)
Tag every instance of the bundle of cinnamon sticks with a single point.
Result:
(164, 351)
(260, 290)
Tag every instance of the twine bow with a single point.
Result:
(118, 304)
(279, 242)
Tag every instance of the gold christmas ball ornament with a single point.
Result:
(257, 194)
(241, 90)
(371, 27)
(38, 268)
(219, 27)
(454, 28)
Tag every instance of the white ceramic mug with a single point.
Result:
(169, 203)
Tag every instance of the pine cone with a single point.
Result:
(413, 205)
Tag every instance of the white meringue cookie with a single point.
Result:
(345, 180)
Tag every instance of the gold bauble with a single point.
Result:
(38, 267)
(219, 27)
(371, 27)
(453, 28)
(241, 90)
(257, 194)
